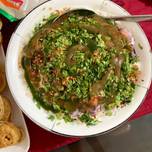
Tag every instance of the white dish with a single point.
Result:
(24, 99)
(17, 118)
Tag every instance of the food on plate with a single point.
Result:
(5, 108)
(80, 64)
(2, 79)
(9, 134)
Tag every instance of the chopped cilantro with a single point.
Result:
(73, 63)
(88, 120)
(67, 118)
(51, 117)
(140, 46)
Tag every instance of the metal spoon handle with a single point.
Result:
(132, 18)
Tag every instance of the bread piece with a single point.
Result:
(5, 109)
(2, 79)
(9, 134)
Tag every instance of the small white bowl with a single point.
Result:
(22, 94)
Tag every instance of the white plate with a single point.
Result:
(24, 99)
(17, 118)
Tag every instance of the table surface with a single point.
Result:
(46, 143)
(137, 134)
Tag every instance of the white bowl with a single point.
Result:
(22, 94)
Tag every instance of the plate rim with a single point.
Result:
(104, 132)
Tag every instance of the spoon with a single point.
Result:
(131, 18)
(128, 18)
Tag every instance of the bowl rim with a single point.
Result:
(66, 135)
